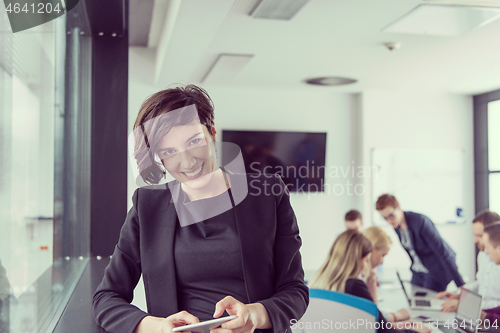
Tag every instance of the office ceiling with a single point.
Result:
(325, 38)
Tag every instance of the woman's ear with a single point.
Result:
(214, 132)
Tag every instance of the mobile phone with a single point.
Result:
(420, 294)
(423, 317)
(204, 326)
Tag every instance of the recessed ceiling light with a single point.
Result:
(443, 20)
(330, 81)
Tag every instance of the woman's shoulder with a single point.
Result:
(355, 283)
(356, 287)
(147, 195)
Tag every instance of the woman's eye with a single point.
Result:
(168, 152)
(194, 142)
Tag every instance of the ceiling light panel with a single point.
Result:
(225, 68)
(277, 9)
(443, 20)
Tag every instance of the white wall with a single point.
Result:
(355, 123)
(399, 119)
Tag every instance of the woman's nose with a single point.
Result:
(187, 160)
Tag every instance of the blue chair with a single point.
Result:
(331, 311)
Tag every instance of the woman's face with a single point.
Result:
(187, 155)
(491, 250)
(365, 262)
(378, 255)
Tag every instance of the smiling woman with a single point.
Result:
(237, 253)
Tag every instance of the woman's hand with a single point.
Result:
(250, 316)
(150, 324)
(449, 305)
(398, 316)
(447, 294)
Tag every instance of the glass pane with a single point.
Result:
(494, 192)
(494, 136)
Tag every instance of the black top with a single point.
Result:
(208, 263)
(356, 287)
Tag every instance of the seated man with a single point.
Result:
(354, 220)
(488, 274)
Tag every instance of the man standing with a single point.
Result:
(488, 273)
(432, 259)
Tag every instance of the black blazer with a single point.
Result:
(436, 255)
(270, 242)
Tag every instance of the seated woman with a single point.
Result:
(348, 256)
(381, 244)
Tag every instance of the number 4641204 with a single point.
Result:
(39, 8)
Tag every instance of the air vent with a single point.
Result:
(277, 9)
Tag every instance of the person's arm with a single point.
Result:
(291, 295)
(111, 303)
(493, 316)
(429, 234)
(371, 283)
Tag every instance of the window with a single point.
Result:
(494, 155)
(44, 181)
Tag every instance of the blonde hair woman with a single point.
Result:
(341, 264)
(381, 244)
(348, 256)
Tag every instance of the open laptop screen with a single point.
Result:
(469, 309)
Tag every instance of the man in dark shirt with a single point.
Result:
(433, 261)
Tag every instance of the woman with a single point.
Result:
(348, 256)
(203, 245)
(381, 244)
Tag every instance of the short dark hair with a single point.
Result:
(485, 216)
(353, 215)
(492, 228)
(386, 200)
(153, 122)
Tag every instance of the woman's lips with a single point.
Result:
(196, 173)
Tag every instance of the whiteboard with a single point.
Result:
(426, 181)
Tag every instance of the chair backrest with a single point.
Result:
(331, 311)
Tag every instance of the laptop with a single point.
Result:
(421, 303)
(468, 314)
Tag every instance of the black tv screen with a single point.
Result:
(298, 157)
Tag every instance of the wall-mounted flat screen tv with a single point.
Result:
(298, 157)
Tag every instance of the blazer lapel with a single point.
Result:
(253, 231)
(161, 254)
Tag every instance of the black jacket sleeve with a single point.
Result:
(429, 233)
(111, 302)
(291, 294)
